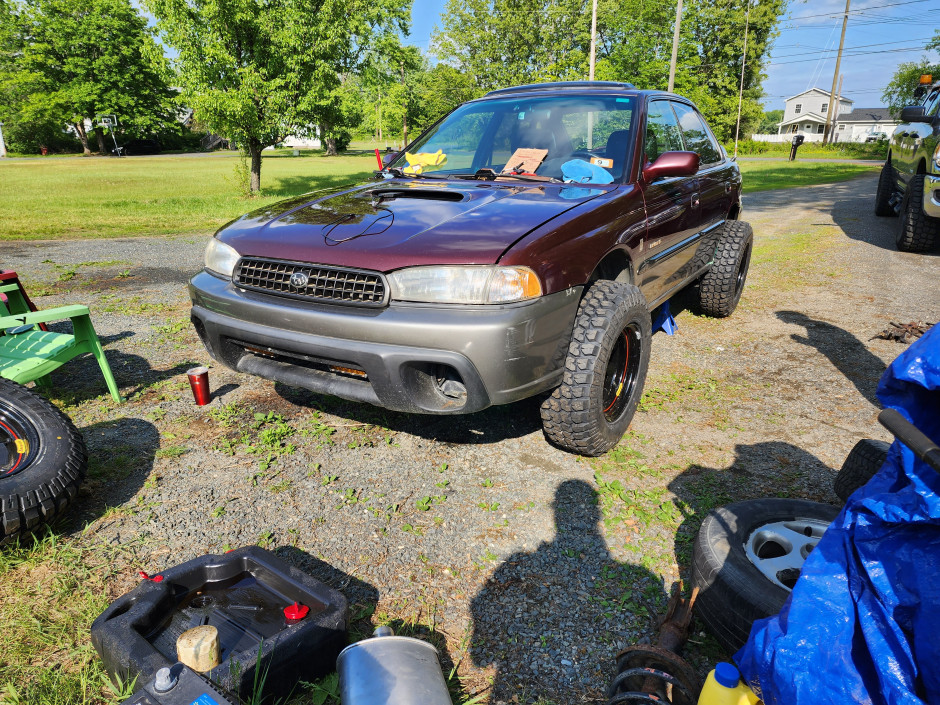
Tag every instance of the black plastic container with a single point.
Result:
(243, 593)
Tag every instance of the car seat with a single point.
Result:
(616, 150)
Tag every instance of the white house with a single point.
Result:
(864, 124)
(805, 113)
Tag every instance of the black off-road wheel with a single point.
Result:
(886, 187)
(917, 231)
(746, 559)
(42, 461)
(604, 371)
(720, 288)
(861, 464)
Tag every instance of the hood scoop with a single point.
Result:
(421, 194)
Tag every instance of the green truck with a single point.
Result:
(909, 185)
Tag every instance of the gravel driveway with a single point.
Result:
(527, 566)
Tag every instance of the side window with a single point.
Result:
(932, 102)
(662, 130)
(798, 108)
(697, 137)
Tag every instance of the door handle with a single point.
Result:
(727, 187)
(695, 200)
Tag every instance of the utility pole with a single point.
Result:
(593, 39)
(835, 75)
(3, 147)
(404, 113)
(675, 47)
(835, 114)
(737, 130)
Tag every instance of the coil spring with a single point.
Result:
(650, 674)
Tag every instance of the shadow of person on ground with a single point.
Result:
(846, 352)
(541, 611)
(491, 425)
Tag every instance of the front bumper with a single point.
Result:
(415, 358)
(932, 195)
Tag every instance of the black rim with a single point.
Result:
(620, 377)
(742, 272)
(19, 440)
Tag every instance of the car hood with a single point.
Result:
(397, 223)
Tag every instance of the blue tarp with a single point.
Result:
(863, 622)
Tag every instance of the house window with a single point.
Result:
(808, 126)
(820, 128)
(841, 127)
(797, 108)
(794, 128)
(824, 108)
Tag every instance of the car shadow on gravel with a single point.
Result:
(541, 611)
(852, 215)
(493, 425)
(846, 352)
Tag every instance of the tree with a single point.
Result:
(258, 72)
(76, 59)
(900, 90)
(506, 42)
(770, 123)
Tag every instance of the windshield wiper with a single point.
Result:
(490, 175)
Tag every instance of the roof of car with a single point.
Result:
(563, 85)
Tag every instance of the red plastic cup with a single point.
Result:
(199, 381)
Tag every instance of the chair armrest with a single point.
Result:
(6, 288)
(49, 314)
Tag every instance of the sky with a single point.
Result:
(880, 34)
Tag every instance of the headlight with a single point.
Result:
(465, 285)
(220, 258)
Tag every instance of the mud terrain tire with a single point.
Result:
(604, 372)
(885, 192)
(42, 461)
(917, 232)
(721, 286)
(861, 464)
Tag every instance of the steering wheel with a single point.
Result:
(584, 154)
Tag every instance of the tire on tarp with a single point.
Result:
(733, 592)
(42, 461)
(861, 464)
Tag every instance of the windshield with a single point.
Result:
(582, 139)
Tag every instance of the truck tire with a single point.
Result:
(604, 371)
(917, 232)
(886, 187)
(42, 461)
(860, 465)
(719, 289)
(728, 561)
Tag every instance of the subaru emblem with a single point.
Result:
(299, 280)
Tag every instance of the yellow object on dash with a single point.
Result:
(424, 161)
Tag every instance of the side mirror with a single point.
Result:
(914, 113)
(672, 164)
(389, 158)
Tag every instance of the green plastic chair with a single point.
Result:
(28, 354)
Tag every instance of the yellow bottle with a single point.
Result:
(725, 687)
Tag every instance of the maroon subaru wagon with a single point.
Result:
(516, 248)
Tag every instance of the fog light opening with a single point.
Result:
(450, 384)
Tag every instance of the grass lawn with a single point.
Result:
(194, 194)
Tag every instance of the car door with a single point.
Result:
(913, 136)
(672, 206)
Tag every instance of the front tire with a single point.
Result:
(886, 186)
(917, 231)
(604, 373)
(721, 286)
(42, 461)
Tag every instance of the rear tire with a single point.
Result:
(42, 461)
(886, 188)
(917, 231)
(861, 464)
(604, 373)
(721, 286)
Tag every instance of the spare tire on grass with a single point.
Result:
(42, 461)
(746, 558)
(860, 465)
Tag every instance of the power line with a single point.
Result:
(852, 12)
(857, 46)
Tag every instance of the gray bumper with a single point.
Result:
(497, 354)
(932, 196)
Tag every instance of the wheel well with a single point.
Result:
(615, 266)
(734, 212)
(921, 167)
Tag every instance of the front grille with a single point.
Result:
(330, 284)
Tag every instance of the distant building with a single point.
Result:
(805, 114)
